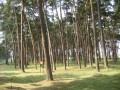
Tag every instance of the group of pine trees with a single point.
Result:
(57, 31)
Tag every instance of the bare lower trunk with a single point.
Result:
(102, 36)
(49, 76)
(95, 37)
(22, 51)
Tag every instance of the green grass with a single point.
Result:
(71, 79)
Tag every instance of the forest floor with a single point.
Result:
(73, 78)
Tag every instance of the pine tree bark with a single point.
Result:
(33, 42)
(49, 75)
(6, 51)
(18, 37)
(95, 38)
(22, 54)
(102, 36)
(90, 55)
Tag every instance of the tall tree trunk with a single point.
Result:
(18, 38)
(76, 37)
(49, 76)
(90, 56)
(95, 38)
(14, 53)
(102, 36)
(113, 44)
(50, 44)
(26, 52)
(6, 51)
(22, 54)
(33, 42)
(62, 36)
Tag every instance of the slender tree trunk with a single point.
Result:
(77, 43)
(102, 36)
(18, 38)
(26, 53)
(90, 56)
(110, 42)
(50, 44)
(6, 51)
(33, 43)
(55, 56)
(62, 37)
(22, 54)
(61, 34)
(95, 38)
(14, 53)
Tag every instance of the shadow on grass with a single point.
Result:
(114, 65)
(9, 74)
(14, 88)
(22, 80)
(28, 79)
(66, 76)
(97, 82)
(3, 80)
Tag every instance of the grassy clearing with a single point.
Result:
(71, 79)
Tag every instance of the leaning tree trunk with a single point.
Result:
(33, 42)
(50, 44)
(49, 76)
(102, 36)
